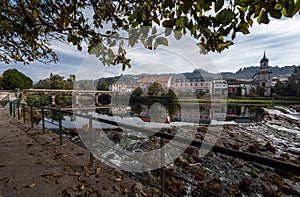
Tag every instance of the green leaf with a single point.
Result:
(162, 40)
(263, 17)
(225, 16)
(155, 44)
(168, 31)
(178, 35)
(218, 5)
(154, 31)
(168, 23)
(297, 8)
(276, 14)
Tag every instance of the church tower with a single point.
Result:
(264, 64)
(263, 78)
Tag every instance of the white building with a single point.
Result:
(220, 87)
(121, 88)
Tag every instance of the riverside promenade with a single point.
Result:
(34, 164)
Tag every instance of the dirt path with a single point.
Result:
(33, 164)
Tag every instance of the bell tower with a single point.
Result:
(264, 64)
(263, 78)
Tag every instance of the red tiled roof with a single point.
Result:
(161, 79)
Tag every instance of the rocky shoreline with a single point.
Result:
(276, 136)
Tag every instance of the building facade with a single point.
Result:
(145, 82)
(220, 87)
(263, 78)
(192, 85)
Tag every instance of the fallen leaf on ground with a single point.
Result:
(31, 185)
(125, 191)
(47, 175)
(123, 184)
(18, 187)
(116, 188)
(81, 187)
(118, 179)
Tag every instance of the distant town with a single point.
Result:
(259, 81)
(199, 82)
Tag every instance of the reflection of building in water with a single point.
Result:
(154, 113)
(220, 87)
(192, 85)
(194, 115)
(220, 112)
(243, 113)
(121, 88)
(145, 82)
(120, 110)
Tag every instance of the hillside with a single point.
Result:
(248, 72)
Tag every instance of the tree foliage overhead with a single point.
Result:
(28, 27)
(13, 79)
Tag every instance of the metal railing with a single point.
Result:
(266, 161)
(5, 100)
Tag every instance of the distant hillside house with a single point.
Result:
(192, 85)
(121, 88)
(145, 82)
(239, 87)
(263, 78)
(220, 87)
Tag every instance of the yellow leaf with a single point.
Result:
(31, 185)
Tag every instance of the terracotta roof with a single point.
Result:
(161, 79)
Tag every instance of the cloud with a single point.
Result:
(280, 39)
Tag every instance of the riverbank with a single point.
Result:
(243, 101)
(34, 164)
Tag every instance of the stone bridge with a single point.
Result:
(100, 97)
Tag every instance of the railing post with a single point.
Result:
(24, 112)
(162, 173)
(10, 108)
(43, 120)
(91, 142)
(31, 115)
(14, 109)
(18, 105)
(60, 127)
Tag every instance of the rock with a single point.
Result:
(270, 148)
(200, 175)
(245, 185)
(138, 190)
(175, 187)
(236, 147)
(215, 185)
(270, 189)
(253, 148)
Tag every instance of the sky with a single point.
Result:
(280, 39)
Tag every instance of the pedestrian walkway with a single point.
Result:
(34, 164)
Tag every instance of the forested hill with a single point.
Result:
(248, 72)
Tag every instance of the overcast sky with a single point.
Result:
(280, 39)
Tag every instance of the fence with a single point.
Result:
(5, 100)
(15, 105)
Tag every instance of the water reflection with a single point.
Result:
(157, 112)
